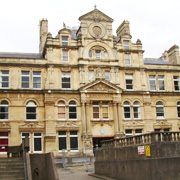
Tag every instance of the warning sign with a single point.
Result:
(147, 149)
(141, 150)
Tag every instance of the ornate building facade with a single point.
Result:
(84, 86)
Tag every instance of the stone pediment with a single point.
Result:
(96, 16)
(101, 85)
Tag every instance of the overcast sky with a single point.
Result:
(155, 22)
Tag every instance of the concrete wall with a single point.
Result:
(43, 167)
(124, 163)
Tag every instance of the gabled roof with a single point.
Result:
(96, 15)
(101, 86)
(155, 61)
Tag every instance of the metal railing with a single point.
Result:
(24, 160)
(143, 139)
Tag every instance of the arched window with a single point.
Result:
(31, 110)
(178, 109)
(72, 110)
(61, 110)
(160, 110)
(98, 52)
(137, 110)
(4, 110)
(127, 110)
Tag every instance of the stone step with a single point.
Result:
(10, 172)
(16, 168)
(8, 176)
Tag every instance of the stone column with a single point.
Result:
(88, 118)
(116, 124)
(83, 118)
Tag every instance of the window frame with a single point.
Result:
(159, 82)
(105, 105)
(129, 77)
(107, 75)
(25, 82)
(65, 55)
(73, 112)
(4, 74)
(66, 75)
(97, 105)
(126, 44)
(98, 54)
(159, 105)
(127, 104)
(129, 134)
(137, 105)
(37, 76)
(65, 42)
(37, 137)
(62, 136)
(178, 109)
(6, 110)
(31, 113)
(22, 137)
(177, 80)
(74, 136)
(62, 105)
(91, 75)
(152, 82)
(127, 58)
(4, 145)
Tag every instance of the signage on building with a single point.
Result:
(147, 150)
(141, 150)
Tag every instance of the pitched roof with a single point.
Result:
(20, 55)
(155, 61)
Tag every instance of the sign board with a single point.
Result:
(147, 150)
(141, 150)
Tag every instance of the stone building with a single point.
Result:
(84, 86)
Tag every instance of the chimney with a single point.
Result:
(43, 34)
(123, 31)
(173, 55)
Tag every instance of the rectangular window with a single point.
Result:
(176, 83)
(65, 40)
(23, 135)
(73, 140)
(62, 137)
(126, 44)
(37, 79)
(138, 131)
(3, 142)
(137, 112)
(127, 59)
(25, 79)
(107, 75)
(91, 75)
(105, 110)
(129, 81)
(37, 142)
(98, 54)
(178, 111)
(65, 55)
(4, 79)
(127, 112)
(96, 110)
(161, 83)
(152, 82)
(66, 80)
(129, 132)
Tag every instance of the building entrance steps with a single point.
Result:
(11, 169)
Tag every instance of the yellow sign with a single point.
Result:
(147, 150)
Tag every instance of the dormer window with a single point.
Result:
(126, 44)
(65, 41)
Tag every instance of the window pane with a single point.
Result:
(62, 143)
(74, 143)
(62, 133)
(37, 144)
(73, 133)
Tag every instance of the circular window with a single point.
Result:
(97, 30)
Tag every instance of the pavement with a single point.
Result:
(79, 173)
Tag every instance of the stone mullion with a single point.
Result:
(115, 118)
(83, 118)
(88, 118)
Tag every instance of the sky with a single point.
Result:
(155, 22)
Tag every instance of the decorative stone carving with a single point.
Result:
(100, 87)
(50, 103)
(100, 122)
(31, 124)
(133, 123)
(162, 123)
(66, 69)
(68, 124)
(5, 125)
(99, 73)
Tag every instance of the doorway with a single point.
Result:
(97, 141)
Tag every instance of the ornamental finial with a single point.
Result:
(95, 6)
